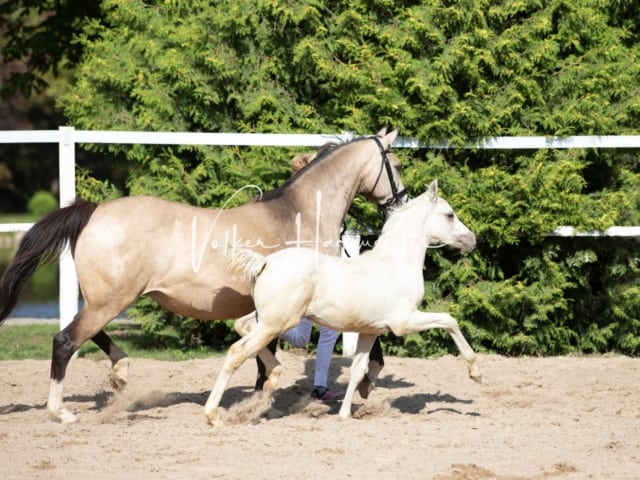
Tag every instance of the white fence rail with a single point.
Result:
(68, 137)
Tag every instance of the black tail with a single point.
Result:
(42, 243)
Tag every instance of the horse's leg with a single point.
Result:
(358, 371)
(420, 321)
(119, 360)
(266, 359)
(65, 344)
(265, 369)
(248, 345)
(376, 364)
(376, 353)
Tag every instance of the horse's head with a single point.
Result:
(381, 180)
(442, 225)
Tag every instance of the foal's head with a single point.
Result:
(442, 225)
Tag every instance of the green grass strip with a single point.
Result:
(34, 341)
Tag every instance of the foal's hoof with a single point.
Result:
(62, 416)
(476, 375)
(214, 422)
(474, 372)
(345, 412)
(212, 419)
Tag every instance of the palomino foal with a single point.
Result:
(376, 292)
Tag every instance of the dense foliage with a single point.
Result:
(438, 70)
(39, 39)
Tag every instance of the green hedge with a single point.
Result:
(438, 70)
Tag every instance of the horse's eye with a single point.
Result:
(450, 215)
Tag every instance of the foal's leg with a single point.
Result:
(266, 360)
(85, 325)
(358, 371)
(420, 321)
(119, 360)
(245, 324)
(248, 345)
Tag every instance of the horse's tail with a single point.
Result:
(42, 243)
(243, 261)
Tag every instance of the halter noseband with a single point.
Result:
(396, 195)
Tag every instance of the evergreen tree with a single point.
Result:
(438, 70)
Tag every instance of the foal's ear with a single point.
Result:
(433, 190)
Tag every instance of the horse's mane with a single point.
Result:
(322, 153)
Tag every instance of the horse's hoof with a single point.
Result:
(365, 386)
(117, 383)
(476, 377)
(118, 378)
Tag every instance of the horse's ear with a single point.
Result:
(389, 138)
(382, 132)
(433, 190)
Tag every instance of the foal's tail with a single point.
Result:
(243, 261)
(42, 243)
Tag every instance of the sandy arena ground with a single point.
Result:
(532, 418)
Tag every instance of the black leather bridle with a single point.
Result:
(396, 196)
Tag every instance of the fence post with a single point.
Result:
(350, 248)
(68, 293)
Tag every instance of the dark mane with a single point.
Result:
(323, 152)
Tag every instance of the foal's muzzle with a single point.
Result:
(468, 242)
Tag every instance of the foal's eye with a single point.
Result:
(450, 216)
